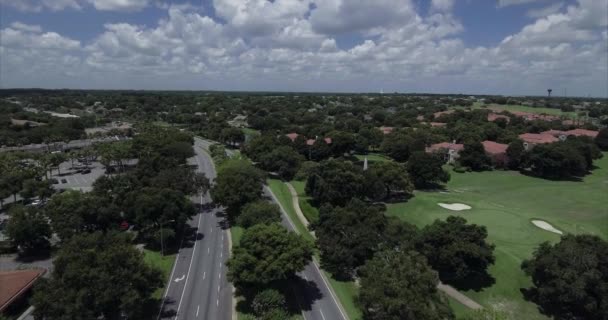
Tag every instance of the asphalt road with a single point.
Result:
(312, 290)
(198, 288)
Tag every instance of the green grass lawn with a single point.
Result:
(505, 202)
(346, 291)
(164, 264)
(282, 193)
(373, 157)
(511, 107)
(236, 233)
(311, 213)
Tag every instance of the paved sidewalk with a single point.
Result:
(447, 289)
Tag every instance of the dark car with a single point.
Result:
(85, 171)
(54, 181)
(64, 181)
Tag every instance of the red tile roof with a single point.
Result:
(445, 145)
(537, 138)
(292, 136)
(440, 113)
(494, 148)
(582, 132)
(555, 133)
(438, 124)
(14, 283)
(494, 117)
(387, 130)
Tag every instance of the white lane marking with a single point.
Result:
(218, 288)
(190, 266)
(211, 230)
(168, 285)
(219, 276)
(204, 275)
(221, 254)
(197, 307)
(322, 315)
(217, 302)
(274, 198)
(180, 279)
(329, 289)
(208, 250)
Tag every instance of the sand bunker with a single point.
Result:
(454, 206)
(546, 226)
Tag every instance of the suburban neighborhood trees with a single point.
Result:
(602, 139)
(28, 229)
(74, 212)
(399, 285)
(397, 145)
(259, 212)
(237, 183)
(515, 152)
(474, 156)
(458, 252)
(393, 176)
(570, 278)
(336, 182)
(426, 170)
(268, 253)
(96, 275)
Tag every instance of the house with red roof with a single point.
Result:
(497, 152)
(292, 136)
(450, 150)
(15, 284)
(440, 113)
(532, 139)
(583, 132)
(494, 116)
(387, 130)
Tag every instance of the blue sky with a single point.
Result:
(443, 46)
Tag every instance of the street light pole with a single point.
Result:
(162, 248)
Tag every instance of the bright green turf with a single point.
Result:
(373, 157)
(346, 291)
(311, 213)
(505, 202)
(511, 107)
(236, 233)
(282, 193)
(164, 264)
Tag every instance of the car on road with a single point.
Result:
(64, 181)
(85, 171)
(54, 181)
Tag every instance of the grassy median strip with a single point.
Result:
(164, 264)
(346, 291)
(282, 193)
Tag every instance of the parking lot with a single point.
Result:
(77, 180)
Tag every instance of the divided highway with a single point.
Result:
(198, 288)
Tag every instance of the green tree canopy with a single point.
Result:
(474, 156)
(268, 253)
(570, 278)
(96, 275)
(397, 145)
(393, 176)
(259, 212)
(73, 212)
(237, 183)
(458, 252)
(602, 139)
(336, 182)
(426, 170)
(347, 236)
(399, 285)
(28, 229)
